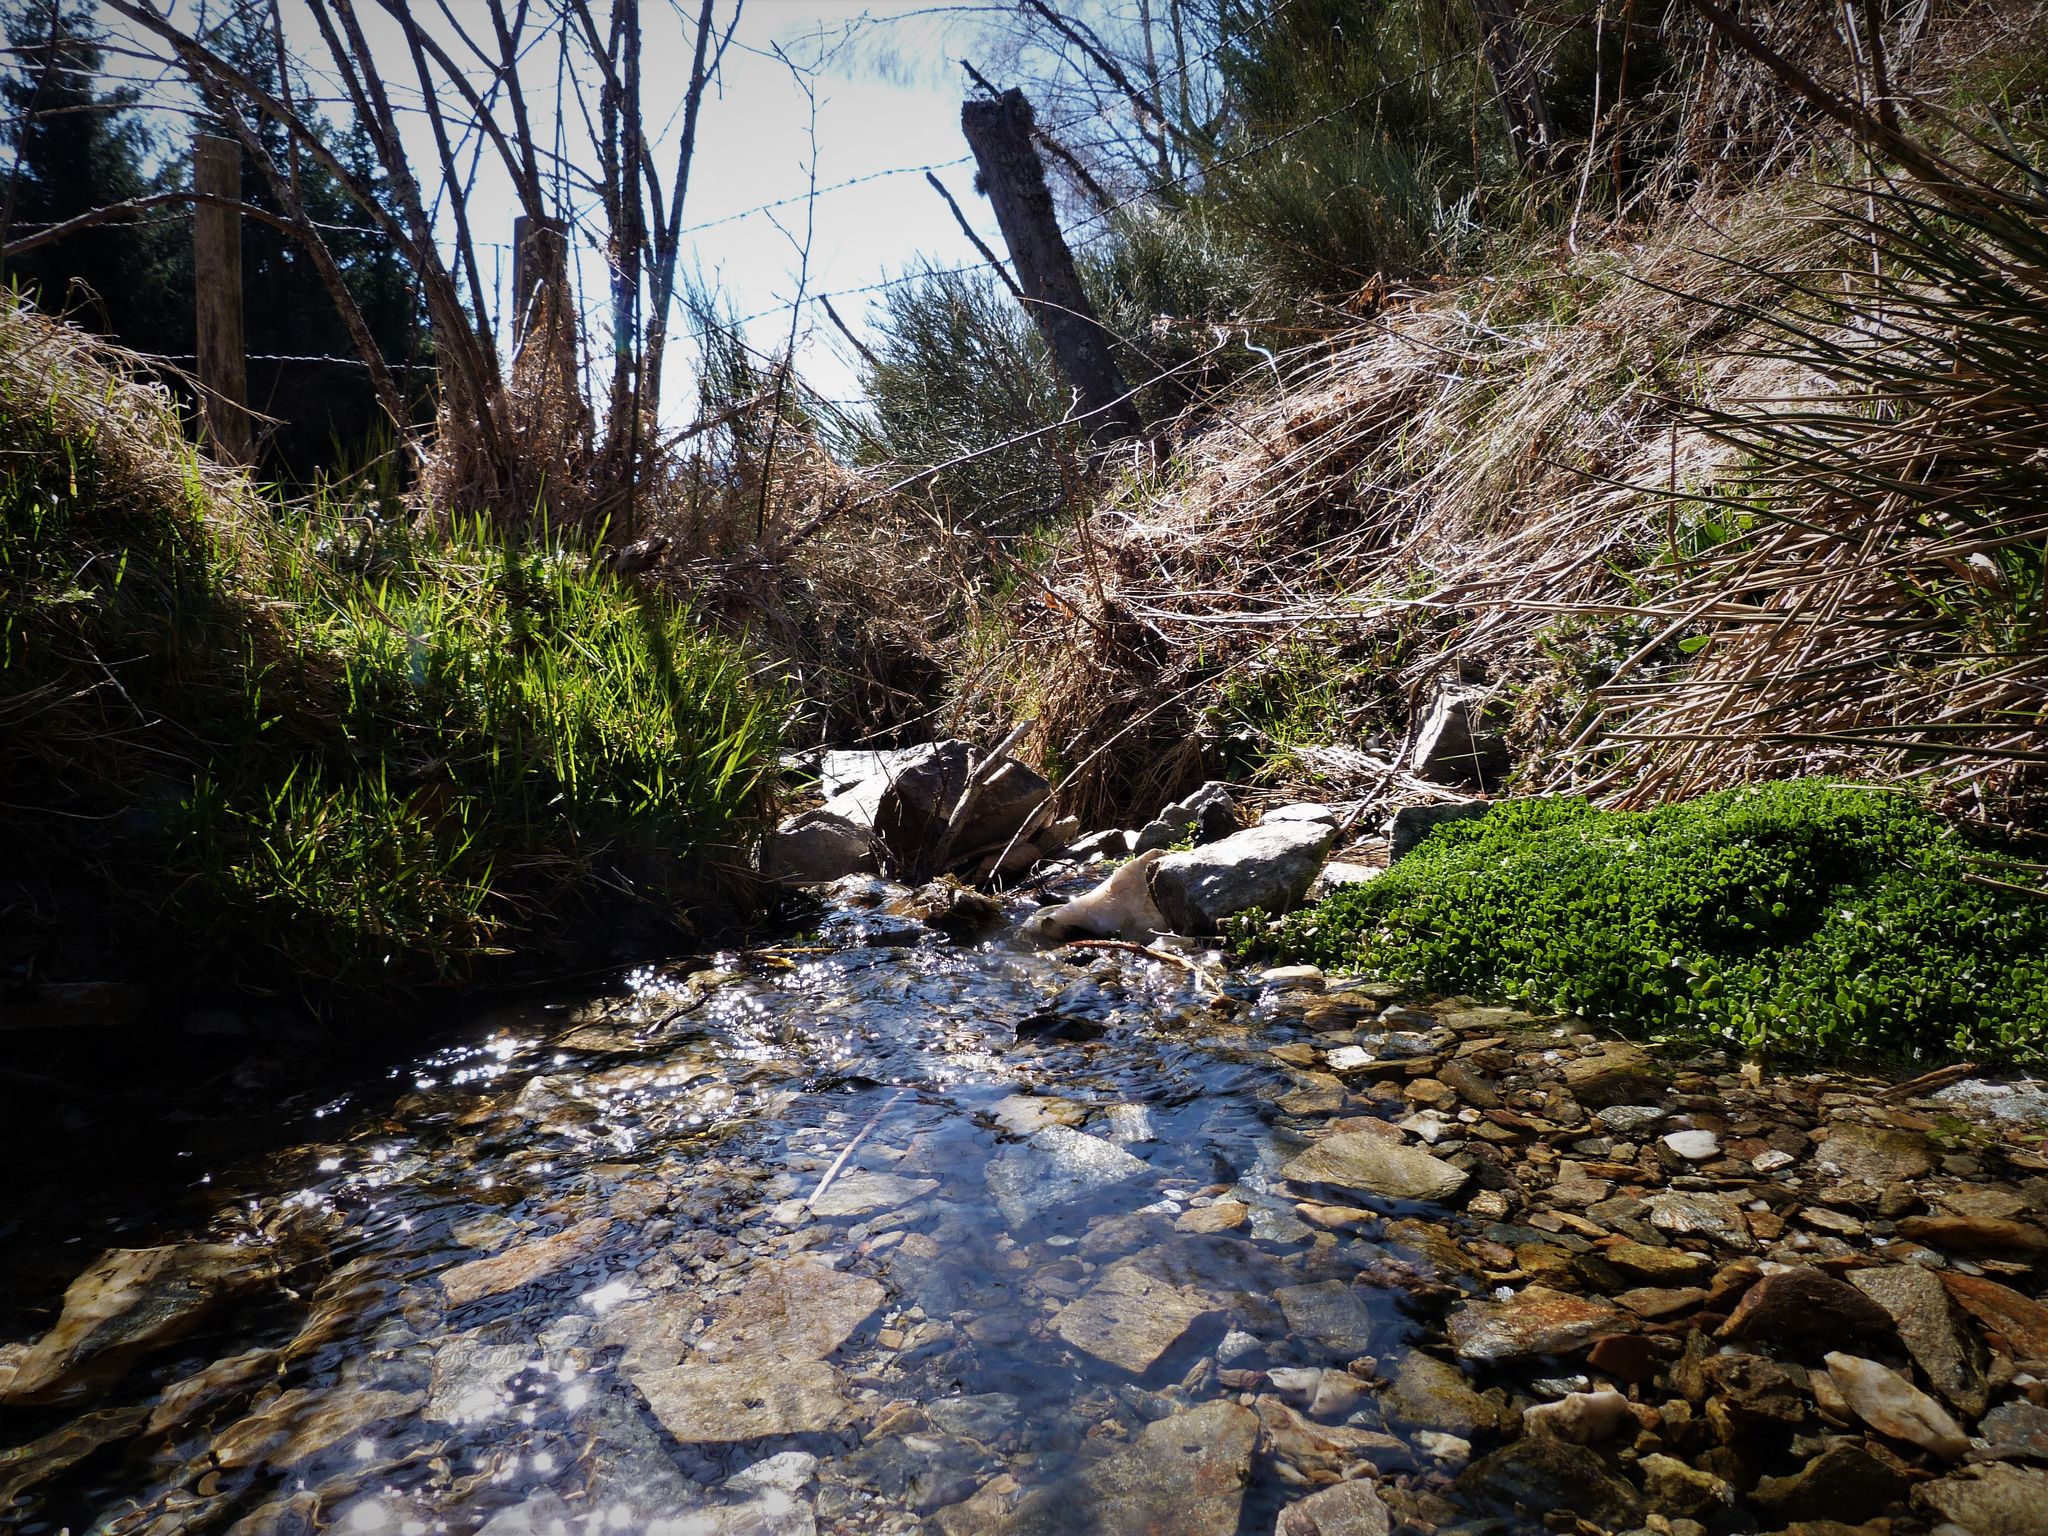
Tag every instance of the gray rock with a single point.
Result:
(1348, 1509)
(1208, 816)
(1371, 1165)
(1702, 1213)
(1872, 1155)
(2021, 1103)
(985, 1417)
(470, 1378)
(1330, 1314)
(1945, 1349)
(1413, 823)
(839, 771)
(1304, 810)
(1460, 741)
(863, 1194)
(1265, 867)
(917, 800)
(1339, 873)
(1992, 1501)
(1113, 844)
(816, 847)
(1054, 1167)
(1183, 1476)
(2017, 1430)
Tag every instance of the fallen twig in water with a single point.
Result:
(1149, 952)
(839, 1162)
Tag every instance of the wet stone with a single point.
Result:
(1538, 1474)
(1330, 1314)
(1874, 1154)
(1535, 1321)
(1367, 1164)
(1893, 1406)
(1182, 1476)
(1945, 1349)
(131, 1302)
(525, 1262)
(1428, 1393)
(1700, 1213)
(1055, 1167)
(1844, 1482)
(854, 1195)
(1130, 1319)
(1348, 1509)
(1807, 1307)
(2016, 1431)
(2000, 1500)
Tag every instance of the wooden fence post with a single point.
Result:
(999, 133)
(223, 365)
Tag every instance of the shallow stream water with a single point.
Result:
(823, 1212)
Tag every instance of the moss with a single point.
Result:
(1806, 918)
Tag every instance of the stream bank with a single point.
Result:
(886, 1231)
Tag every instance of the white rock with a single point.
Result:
(1893, 1406)
(1581, 1417)
(1771, 1161)
(1694, 1146)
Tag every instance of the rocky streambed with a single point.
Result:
(888, 1231)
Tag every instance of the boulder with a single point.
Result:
(1459, 741)
(1207, 816)
(1265, 867)
(1413, 823)
(919, 797)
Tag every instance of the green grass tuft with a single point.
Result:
(300, 747)
(1803, 918)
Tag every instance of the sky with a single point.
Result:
(888, 91)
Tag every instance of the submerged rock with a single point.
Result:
(1372, 1165)
(1535, 1321)
(130, 1303)
(1131, 1319)
(1948, 1352)
(1055, 1167)
(1265, 867)
(1348, 1509)
(1540, 1475)
(1991, 1501)
(523, 1263)
(1183, 1476)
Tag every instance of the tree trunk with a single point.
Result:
(1514, 77)
(999, 133)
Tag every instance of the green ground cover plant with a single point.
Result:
(1804, 918)
(303, 747)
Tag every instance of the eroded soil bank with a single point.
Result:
(890, 1231)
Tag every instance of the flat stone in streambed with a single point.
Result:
(130, 1303)
(1055, 1167)
(1535, 1321)
(863, 1194)
(1131, 1319)
(1183, 1476)
(1542, 1475)
(1370, 1165)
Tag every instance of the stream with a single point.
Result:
(878, 1230)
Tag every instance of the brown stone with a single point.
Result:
(523, 1263)
(1536, 1321)
(1805, 1307)
(1627, 1357)
(2016, 1323)
(1975, 1234)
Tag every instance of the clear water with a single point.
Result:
(676, 1128)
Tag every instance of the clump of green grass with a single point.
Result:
(1802, 917)
(302, 747)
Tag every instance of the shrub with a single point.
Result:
(1803, 917)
